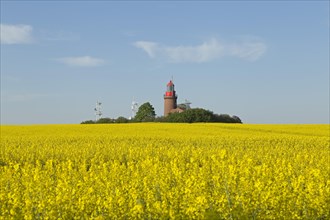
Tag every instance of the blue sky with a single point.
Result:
(267, 62)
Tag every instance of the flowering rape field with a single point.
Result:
(165, 171)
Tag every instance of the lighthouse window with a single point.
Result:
(169, 88)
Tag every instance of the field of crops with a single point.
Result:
(165, 171)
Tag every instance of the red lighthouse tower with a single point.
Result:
(169, 99)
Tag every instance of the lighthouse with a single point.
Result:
(169, 98)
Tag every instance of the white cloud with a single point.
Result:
(84, 61)
(213, 49)
(149, 47)
(251, 51)
(205, 52)
(15, 34)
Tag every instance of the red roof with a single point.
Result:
(170, 83)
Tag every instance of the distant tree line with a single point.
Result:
(201, 115)
(120, 119)
(146, 113)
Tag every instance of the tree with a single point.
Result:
(88, 122)
(121, 119)
(160, 119)
(146, 112)
(191, 115)
(237, 119)
(104, 121)
(201, 115)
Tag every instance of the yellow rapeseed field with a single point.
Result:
(165, 171)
